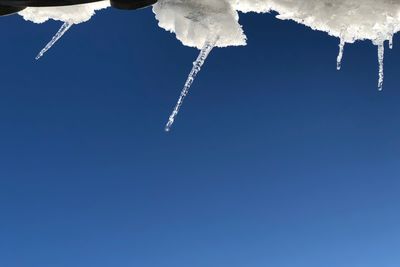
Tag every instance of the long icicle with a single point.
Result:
(64, 28)
(205, 51)
(381, 54)
(340, 55)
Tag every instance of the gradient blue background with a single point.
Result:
(276, 160)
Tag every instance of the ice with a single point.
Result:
(64, 28)
(381, 54)
(205, 51)
(196, 22)
(193, 21)
(340, 55)
(69, 15)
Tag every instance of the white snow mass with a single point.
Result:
(197, 21)
(70, 14)
(194, 20)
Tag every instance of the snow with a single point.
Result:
(195, 22)
(374, 20)
(71, 14)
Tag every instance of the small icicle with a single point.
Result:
(381, 54)
(391, 42)
(64, 28)
(205, 51)
(340, 55)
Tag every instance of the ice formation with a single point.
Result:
(350, 20)
(196, 22)
(205, 51)
(381, 52)
(70, 15)
(64, 28)
(339, 59)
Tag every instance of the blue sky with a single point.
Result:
(276, 159)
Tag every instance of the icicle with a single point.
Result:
(64, 28)
(205, 51)
(391, 42)
(381, 54)
(340, 55)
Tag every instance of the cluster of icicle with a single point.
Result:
(206, 24)
(381, 53)
(195, 22)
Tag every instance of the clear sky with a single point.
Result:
(276, 159)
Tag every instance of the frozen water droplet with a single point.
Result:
(64, 28)
(205, 51)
